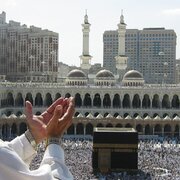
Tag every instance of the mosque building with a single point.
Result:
(102, 99)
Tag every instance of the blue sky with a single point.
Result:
(66, 17)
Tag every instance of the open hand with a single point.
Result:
(37, 124)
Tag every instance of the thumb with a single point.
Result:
(28, 110)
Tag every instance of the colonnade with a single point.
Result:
(10, 128)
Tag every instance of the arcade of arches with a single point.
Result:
(11, 127)
(97, 104)
(106, 100)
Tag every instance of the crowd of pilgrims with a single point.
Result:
(158, 159)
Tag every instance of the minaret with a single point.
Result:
(121, 58)
(85, 57)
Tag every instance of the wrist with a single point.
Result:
(31, 139)
(53, 140)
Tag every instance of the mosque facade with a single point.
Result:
(102, 99)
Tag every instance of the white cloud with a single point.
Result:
(8, 3)
(171, 11)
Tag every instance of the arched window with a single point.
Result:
(97, 100)
(89, 129)
(106, 101)
(126, 101)
(146, 101)
(38, 100)
(48, 99)
(78, 100)
(136, 103)
(87, 100)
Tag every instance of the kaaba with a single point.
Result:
(114, 149)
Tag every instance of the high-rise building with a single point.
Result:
(27, 54)
(152, 51)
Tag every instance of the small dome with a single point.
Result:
(133, 74)
(133, 78)
(76, 73)
(104, 73)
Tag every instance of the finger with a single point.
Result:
(69, 100)
(28, 109)
(69, 114)
(63, 126)
(66, 103)
(68, 124)
(57, 113)
(59, 101)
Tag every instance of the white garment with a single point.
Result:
(16, 155)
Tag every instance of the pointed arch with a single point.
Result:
(116, 114)
(136, 103)
(70, 130)
(87, 100)
(96, 114)
(126, 101)
(29, 98)
(22, 128)
(109, 125)
(5, 131)
(146, 101)
(157, 129)
(106, 101)
(14, 130)
(19, 100)
(105, 114)
(68, 95)
(128, 125)
(100, 125)
(76, 114)
(38, 113)
(80, 128)
(135, 115)
(58, 95)
(166, 101)
(119, 125)
(147, 129)
(97, 100)
(48, 99)
(156, 101)
(175, 102)
(139, 128)
(38, 100)
(176, 131)
(10, 99)
(78, 100)
(89, 129)
(167, 130)
(116, 101)
(19, 113)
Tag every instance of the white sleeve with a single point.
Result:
(23, 148)
(54, 156)
(12, 165)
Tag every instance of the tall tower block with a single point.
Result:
(85, 57)
(3, 18)
(121, 58)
